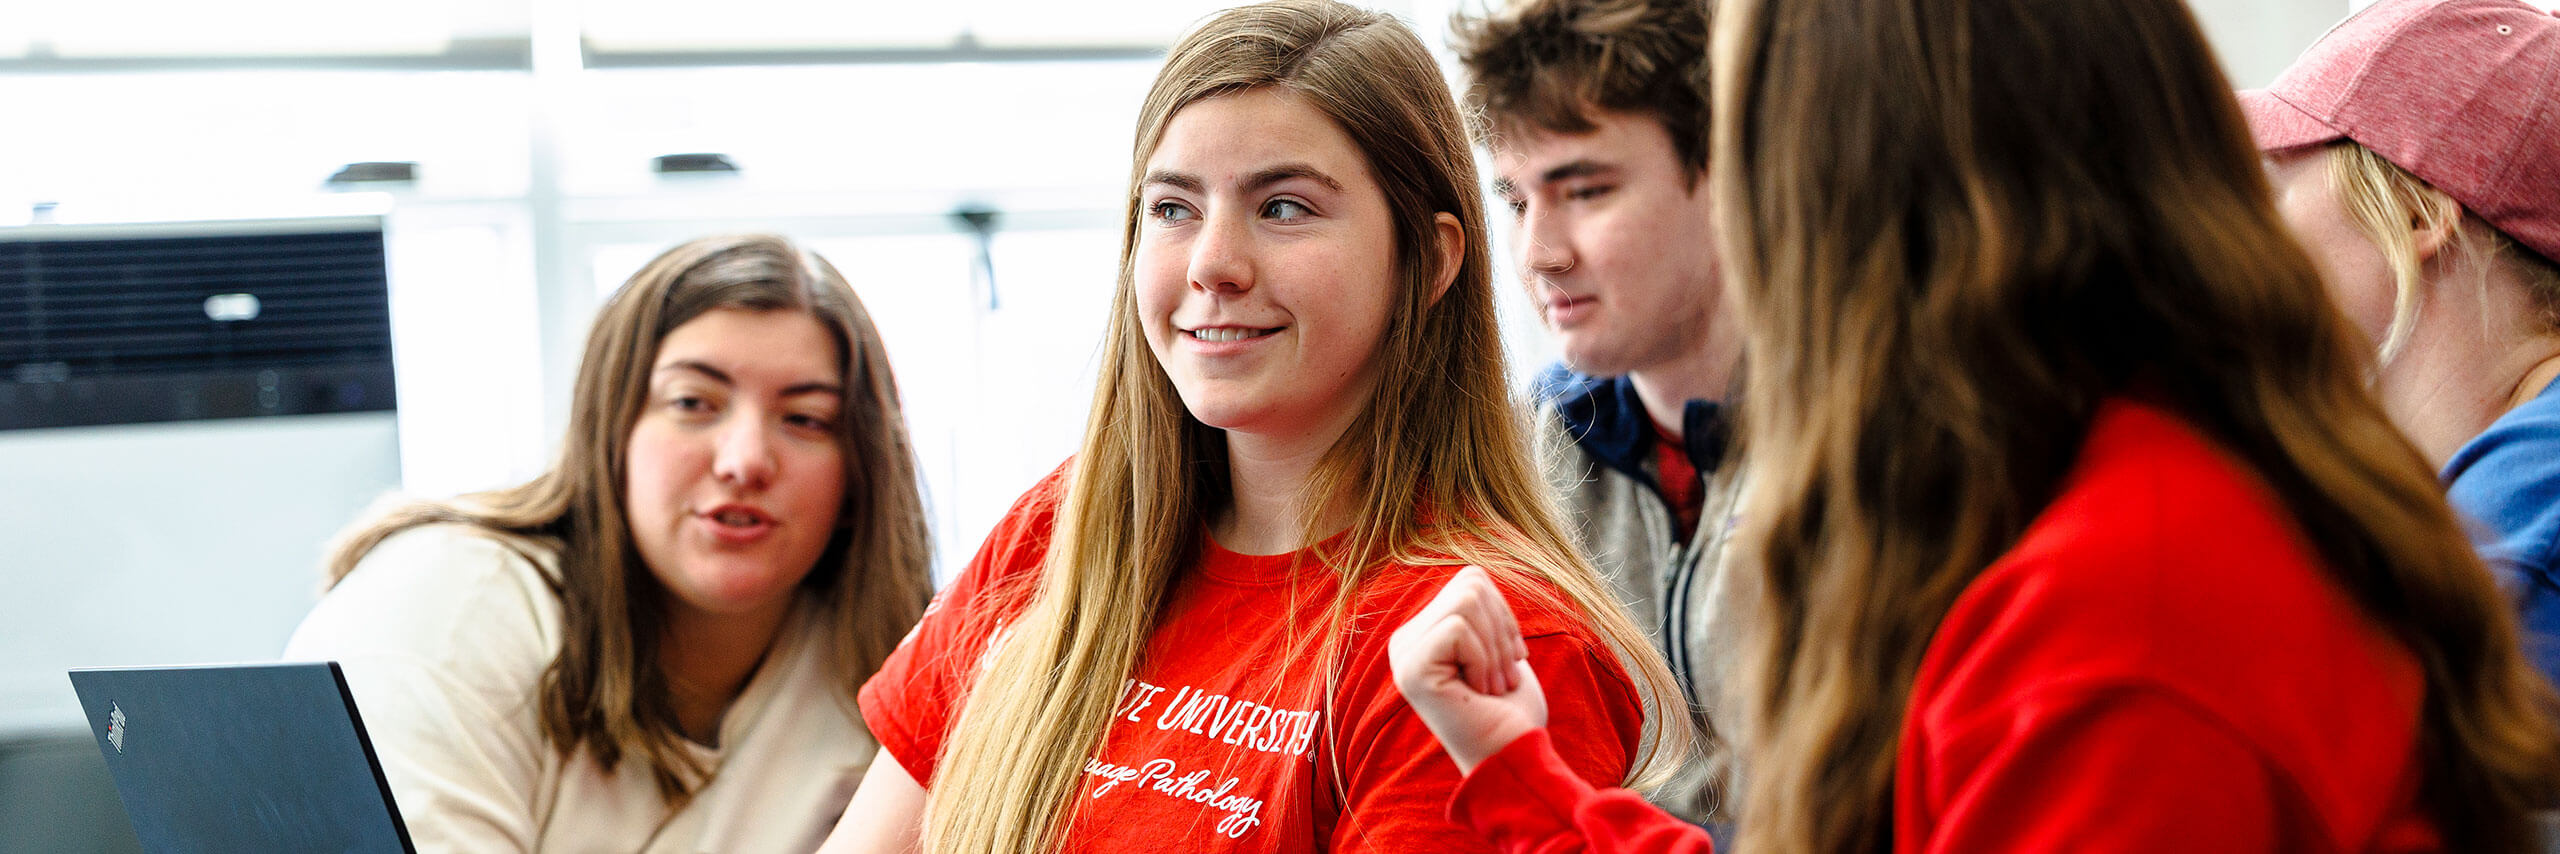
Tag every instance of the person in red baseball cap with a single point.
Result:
(2415, 151)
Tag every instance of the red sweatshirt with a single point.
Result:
(2160, 664)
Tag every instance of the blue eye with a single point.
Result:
(1284, 209)
(1169, 211)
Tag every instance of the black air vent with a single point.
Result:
(127, 329)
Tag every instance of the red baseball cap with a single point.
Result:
(2465, 94)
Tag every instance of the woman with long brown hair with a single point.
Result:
(654, 645)
(2078, 527)
(1177, 641)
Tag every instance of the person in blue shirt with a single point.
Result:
(2415, 151)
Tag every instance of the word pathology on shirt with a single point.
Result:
(1243, 813)
(1221, 718)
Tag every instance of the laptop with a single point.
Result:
(246, 757)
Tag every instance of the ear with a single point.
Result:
(1449, 245)
(2432, 227)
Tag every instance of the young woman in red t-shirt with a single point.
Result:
(1178, 641)
(2077, 527)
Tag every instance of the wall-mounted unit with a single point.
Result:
(192, 410)
(182, 322)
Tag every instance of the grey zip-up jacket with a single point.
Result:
(1595, 446)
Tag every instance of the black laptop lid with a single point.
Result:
(252, 757)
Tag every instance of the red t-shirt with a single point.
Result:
(2159, 664)
(1224, 741)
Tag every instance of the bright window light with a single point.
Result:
(1106, 23)
(1090, 22)
(126, 28)
(768, 25)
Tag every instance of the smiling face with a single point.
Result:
(735, 475)
(1265, 265)
(1614, 243)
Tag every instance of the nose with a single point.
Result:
(1544, 248)
(744, 457)
(1222, 257)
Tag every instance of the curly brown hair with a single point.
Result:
(1547, 64)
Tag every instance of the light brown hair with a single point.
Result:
(1547, 64)
(605, 692)
(1954, 228)
(1442, 475)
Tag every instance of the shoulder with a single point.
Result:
(2518, 444)
(2164, 561)
(910, 700)
(2148, 487)
(2536, 421)
(447, 548)
(1557, 383)
(2152, 518)
(1392, 593)
(1573, 418)
(2508, 479)
(1593, 698)
(1013, 552)
(1022, 535)
(1575, 402)
(443, 632)
(443, 592)
(451, 564)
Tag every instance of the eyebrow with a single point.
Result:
(1259, 179)
(1291, 171)
(1566, 171)
(1176, 180)
(1575, 169)
(722, 377)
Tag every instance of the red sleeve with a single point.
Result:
(2094, 768)
(1526, 800)
(1396, 778)
(910, 703)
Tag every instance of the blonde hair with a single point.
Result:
(2390, 206)
(1955, 228)
(604, 691)
(1442, 476)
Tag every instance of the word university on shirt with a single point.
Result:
(1219, 718)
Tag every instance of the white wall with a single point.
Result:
(2258, 38)
(168, 543)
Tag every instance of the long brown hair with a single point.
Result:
(1955, 226)
(605, 692)
(1148, 474)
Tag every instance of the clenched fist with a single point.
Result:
(1462, 665)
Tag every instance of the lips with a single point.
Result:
(1226, 334)
(736, 522)
(1565, 310)
(737, 518)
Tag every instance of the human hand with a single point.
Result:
(1462, 665)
